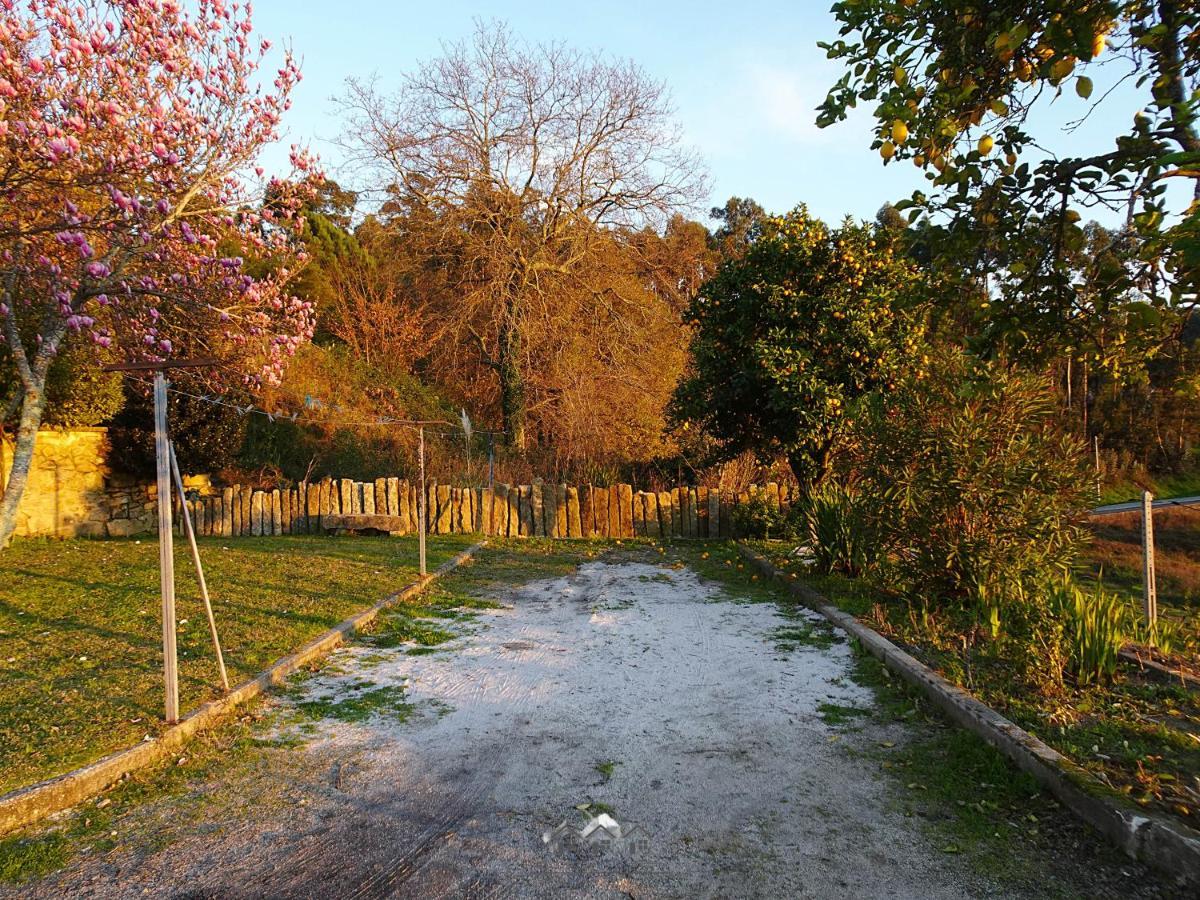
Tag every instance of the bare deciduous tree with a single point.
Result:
(516, 162)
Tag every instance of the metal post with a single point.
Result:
(191, 536)
(166, 558)
(1150, 596)
(421, 500)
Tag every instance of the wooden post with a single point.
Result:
(421, 500)
(166, 555)
(1150, 589)
(1096, 454)
(191, 536)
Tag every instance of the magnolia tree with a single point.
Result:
(129, 131)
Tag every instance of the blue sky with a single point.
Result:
(745, 78)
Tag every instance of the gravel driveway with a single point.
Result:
(626, 731)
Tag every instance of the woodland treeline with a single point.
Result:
(524, 242)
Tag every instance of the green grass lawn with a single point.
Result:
(81, 639)
(1186, 484)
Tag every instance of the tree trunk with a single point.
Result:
(512, 384)
(32, 406)
(810, 469)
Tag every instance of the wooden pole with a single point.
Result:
(191, 536)
(1150, 590)
(421, 500)
(166, 558)
(1096, 454)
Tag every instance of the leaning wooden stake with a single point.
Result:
(1150, 595)
(166, 547)
(191, 536)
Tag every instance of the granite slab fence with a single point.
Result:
(526, 510)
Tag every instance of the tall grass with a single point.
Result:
(1095, 626)
(843, 536)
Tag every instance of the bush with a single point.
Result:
(207, 436)
(760, 519)
(967, 482)
(842, 532)
(78, 393)
(346, 389)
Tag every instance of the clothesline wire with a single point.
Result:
(385, 421)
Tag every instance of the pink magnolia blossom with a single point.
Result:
(130, 132)
(133, 127)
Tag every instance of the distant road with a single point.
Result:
(1135, 505)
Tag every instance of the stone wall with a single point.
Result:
(65, 495)
(72, 493)
(527, 510)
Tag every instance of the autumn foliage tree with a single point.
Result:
(789, 336)
(513, 165)
(128, 138)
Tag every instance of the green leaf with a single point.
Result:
(1083, 86)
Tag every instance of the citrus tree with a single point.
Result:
(789, 336)
(128, 138)
(954, 85)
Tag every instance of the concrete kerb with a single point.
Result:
(28, 805)
(1171, 848)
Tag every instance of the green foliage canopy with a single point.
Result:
(954, 83)
(791, 334)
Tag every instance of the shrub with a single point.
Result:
(78, 393)
(843, 534)
(970, 486)
(207, 436)
(760, 519)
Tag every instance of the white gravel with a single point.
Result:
(721, 765)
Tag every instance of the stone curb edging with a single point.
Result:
(28, 805)
(1163, 673)
(1171, 848)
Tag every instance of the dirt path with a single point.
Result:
(637, 689)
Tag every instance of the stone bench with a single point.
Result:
(364, 524)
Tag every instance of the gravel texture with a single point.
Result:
(637, 689)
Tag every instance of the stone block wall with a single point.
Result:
(526, 510)
(72, 493)
(66, 492)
